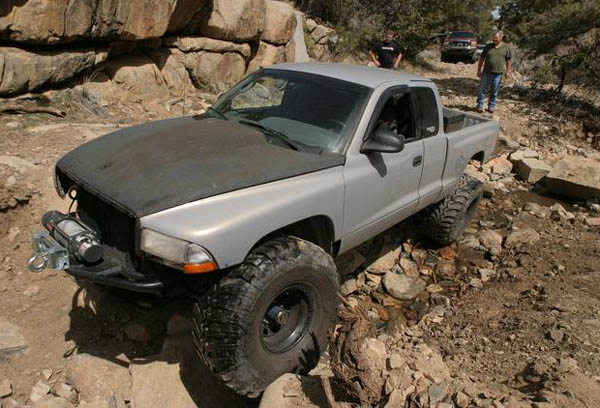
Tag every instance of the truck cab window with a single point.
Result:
(427, 106)
(397, 115)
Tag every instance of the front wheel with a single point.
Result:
(269, 316)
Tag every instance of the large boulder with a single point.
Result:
(516, 156)
(24, 71)
(214, 69)
(192, 44)
(575, 177)
(137, 76)
(147, 18)
(43, 20)
(532, 170)
(280, 22)
(61, 21)
(266, 55)
(237, 20)
(171, 64)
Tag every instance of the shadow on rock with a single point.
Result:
(7, 6)
(147, 338)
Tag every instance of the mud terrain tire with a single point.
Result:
(448, 219)
(239, 329)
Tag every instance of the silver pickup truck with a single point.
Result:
(249, 203)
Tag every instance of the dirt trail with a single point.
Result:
(540, 306)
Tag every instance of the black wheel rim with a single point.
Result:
(287, 319)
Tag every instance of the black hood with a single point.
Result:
(155, 166)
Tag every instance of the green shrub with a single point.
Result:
(566, 33)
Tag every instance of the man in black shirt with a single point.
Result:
(387, 54)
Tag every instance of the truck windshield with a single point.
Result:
(308, 109)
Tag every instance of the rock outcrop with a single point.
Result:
(24, 71)
(267, 55)
(193, 44)
(136, 74)
(239, 20)
(280, 23)
(147, 46)
(65, 21)
(322, 38)
(221, 70)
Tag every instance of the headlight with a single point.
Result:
(193, 258)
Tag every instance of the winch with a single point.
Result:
(66, 235)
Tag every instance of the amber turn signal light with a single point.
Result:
(204, 267)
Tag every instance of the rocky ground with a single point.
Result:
(507, 317)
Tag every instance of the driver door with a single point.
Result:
(382, 188)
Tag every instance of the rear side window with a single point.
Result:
(428, 109)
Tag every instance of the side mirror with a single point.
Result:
(383, 140)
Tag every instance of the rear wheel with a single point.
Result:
(448, 219)
(269, 316)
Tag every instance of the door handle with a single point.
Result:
(417, 161)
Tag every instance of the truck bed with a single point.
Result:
(456, 120)
(468, 137)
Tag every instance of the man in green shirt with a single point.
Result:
(496, 60)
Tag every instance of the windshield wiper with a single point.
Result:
(220, 114)
(272, 132)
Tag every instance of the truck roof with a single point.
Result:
(368, 76)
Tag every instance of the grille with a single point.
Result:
(116, 229)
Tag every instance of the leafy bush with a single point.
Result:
(566, 32)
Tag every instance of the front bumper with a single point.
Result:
(48, 253)
(114, 276)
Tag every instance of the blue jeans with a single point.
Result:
(488, 79)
